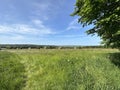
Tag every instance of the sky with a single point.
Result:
(42, 22)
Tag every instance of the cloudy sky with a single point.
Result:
(46, 22)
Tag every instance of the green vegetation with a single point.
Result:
(104, 15)
(85, 69)
(12, 72)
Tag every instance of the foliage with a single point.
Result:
(105, 17)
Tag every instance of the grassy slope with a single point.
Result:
(70, 69)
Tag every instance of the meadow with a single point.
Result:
(64, 69)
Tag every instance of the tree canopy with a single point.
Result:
(105, 15)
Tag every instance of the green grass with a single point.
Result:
(86, 69)
(12, 72)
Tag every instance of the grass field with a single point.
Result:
(84, 69)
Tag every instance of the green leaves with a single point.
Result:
(104, 14)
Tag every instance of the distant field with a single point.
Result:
(83, 69)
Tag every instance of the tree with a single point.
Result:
(105, 17)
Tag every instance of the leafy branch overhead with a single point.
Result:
(105, 15)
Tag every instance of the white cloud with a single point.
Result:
(26, 29)
(14, 38)
(38, 23)
(41, 9)
(45, 9)
(42, 5)
(17, 37)
(21, 32)
(69, 36)
(73, 25)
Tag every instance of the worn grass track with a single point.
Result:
(87, 69)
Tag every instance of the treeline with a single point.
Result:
(28, 46)
(25, 46)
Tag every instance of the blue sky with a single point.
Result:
(44, 22)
